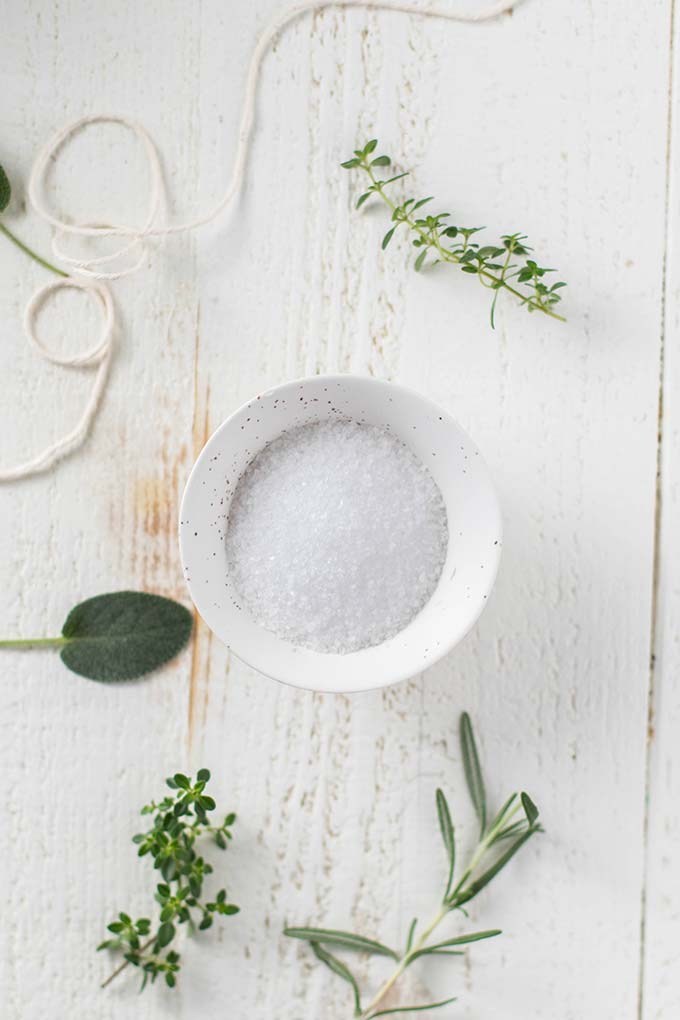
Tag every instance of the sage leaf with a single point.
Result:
(5, 190)
(412, 1009)
(348, 940)
(473, 771)
(446, 828)
(123, 635)
(339, 968)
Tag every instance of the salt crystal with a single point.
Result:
(336, 536)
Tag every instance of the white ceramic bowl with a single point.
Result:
(471, 505)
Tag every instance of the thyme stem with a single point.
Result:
(126, 963)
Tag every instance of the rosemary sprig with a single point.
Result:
(500, 839)
(436, 236)
(179, 821)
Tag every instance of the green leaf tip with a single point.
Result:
(346, 939)
(5, 189)
(446, 829)
(472, 768)
(412, 1009)
(530, 809)
(342, 970)
(124, 635)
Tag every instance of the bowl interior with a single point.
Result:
(457, 467)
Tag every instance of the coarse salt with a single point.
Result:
(336, 536)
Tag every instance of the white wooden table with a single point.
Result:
(557, 121)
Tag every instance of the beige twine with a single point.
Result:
(93, 273)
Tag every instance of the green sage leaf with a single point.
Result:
(124, 635)
(346, 939)
(412, 1009)
(473, 771)
(339, 968)
(5, 190)
(446, 828)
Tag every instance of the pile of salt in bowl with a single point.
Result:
(336, 536)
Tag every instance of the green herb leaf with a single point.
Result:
(530, 809)
(339, 968)
(477, 886)
(418, 265)
(124, 635)
(434, 951)
(166, 934)
(446, 829)
(348, 940)
(460, 940)
(411, 933)
(381, 161)
(387, 238)
(5, 190)
(473, 771)
(413, 1009)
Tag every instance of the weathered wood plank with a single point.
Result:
(660, 991)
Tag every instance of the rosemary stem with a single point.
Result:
(404, 962)
(29, 251)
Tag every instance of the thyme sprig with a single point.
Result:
(180, 820)
(494, 265)
(499, 840)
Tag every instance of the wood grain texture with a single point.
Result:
(660, 988)
(527, 123)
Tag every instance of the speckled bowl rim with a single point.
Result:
(398, 673)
